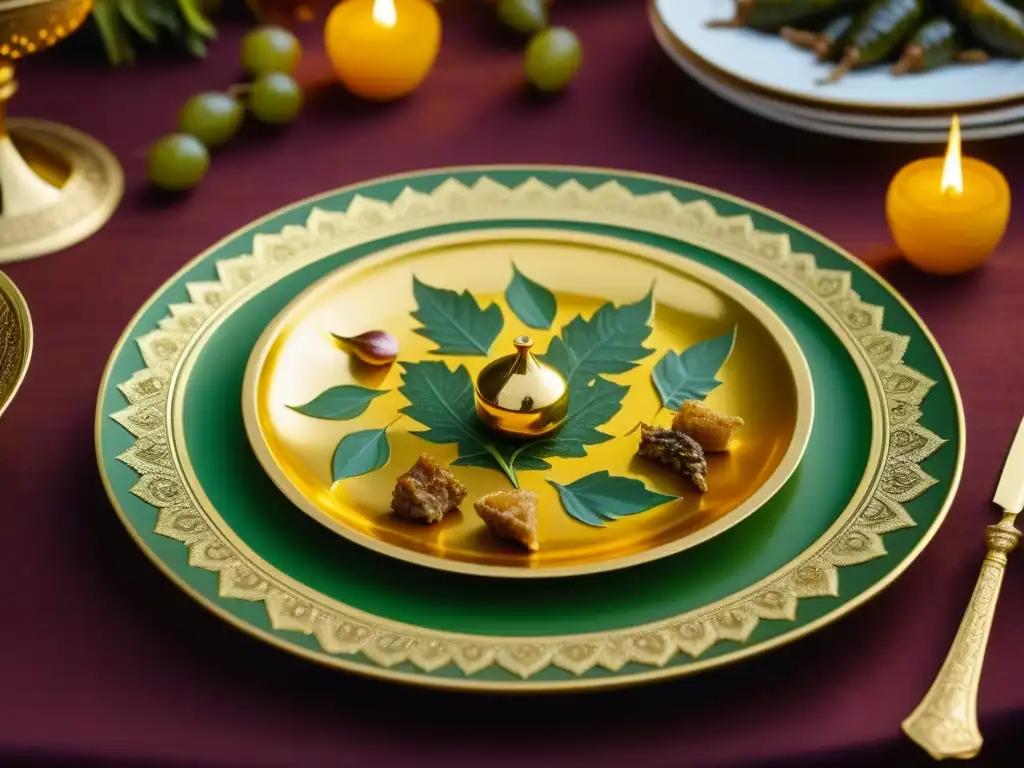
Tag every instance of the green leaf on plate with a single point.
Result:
(589, 408)
(339, 403)
(600, 498)
(534, 304)
(690, 375)
(454, 321)
(610, 342)
(361, 452)
(442, 400)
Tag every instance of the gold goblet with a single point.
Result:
(57, 185)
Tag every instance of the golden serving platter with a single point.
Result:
(765, 380)
(15, 340)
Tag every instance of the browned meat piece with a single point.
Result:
(711, 429)
(426, 492)
(677, 450)
(511, 515)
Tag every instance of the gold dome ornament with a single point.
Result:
(57, 186)
(521, 397)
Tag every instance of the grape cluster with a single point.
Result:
(553, 55)
(269, 54)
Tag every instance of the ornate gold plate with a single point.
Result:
(15, 340)
(880, 471)
(766, 381)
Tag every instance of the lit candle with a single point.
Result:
(382, 49)
(948, 215)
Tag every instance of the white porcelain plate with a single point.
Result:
(988, 125)
(767, 62)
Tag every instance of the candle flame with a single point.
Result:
(384, 12)
(952, 169)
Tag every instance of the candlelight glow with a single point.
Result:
(381, 49)
(952, 169)
(384, 13)
(948, 215)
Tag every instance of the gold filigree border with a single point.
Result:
(15, 340)
(901, 478)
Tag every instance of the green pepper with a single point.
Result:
(996, 24)
(877, 33)
(770, 15)
(826, 42)
(935, 44)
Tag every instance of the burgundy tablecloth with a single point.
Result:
(103, 659)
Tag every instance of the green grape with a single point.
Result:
(526, 16)
(275, 98)
(211, 117)
(177, 162)
(270, 49)
(552, 59)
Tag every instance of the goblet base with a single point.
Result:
(58, 186)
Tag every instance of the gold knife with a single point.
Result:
(945, 723)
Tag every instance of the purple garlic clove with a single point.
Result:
(372, 347)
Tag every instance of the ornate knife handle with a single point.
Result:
(945, 723)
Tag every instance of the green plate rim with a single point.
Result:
(607, 176)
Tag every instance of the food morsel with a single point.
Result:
(552, 59)
(372, 347)
(426, 492)
(511, 515)
(770, 15)
(997, 24)
(936, 43)
(177, 162)
(713, 430)
(270, 48)
(826, 43)
(913, 35)
(677, 450)
(877, 33)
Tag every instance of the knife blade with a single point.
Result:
(1010, 490)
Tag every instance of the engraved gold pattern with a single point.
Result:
(654, 645)
(15, 340)
(945, 723)
(10, 347)
(30, 26)
(88, 198)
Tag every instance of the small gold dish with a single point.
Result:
(521, 397)
(767, 382)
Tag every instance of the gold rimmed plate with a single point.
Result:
(880, 470)
(15, 340)
(764, 379)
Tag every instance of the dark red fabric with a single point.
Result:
(104, 660)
